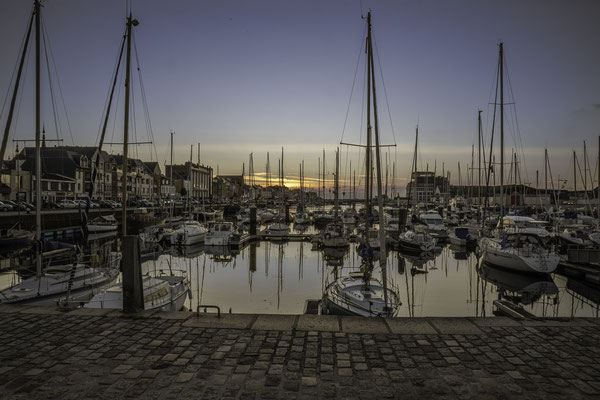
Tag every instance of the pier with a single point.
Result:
(101, 354)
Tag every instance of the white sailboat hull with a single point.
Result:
(517, 259)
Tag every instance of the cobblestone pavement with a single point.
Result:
(46, 354)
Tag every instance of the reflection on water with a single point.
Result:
(278, 278)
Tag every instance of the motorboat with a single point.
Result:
(334, 235)
(221, 234)
(434, 224)
(265, 215)
(416, 241)
(277, 231)
(349, 216)
(462, 237)
(189, 233)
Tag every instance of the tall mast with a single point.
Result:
(130, 23)
(323, 175)
(38, 158)
(319, 179)
(336, 195)
(584, 169)
(191, 189)
(354, 190)
(382, 254)
(268, 171)
(501, 136)
(171, 170)
(575, 178)
(413, 169)
(472, 163)
(479, 156)
(368, 149)
(13, 100)
(598, 183)
(546, 174)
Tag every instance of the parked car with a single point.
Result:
(14, 205)
(68, 204)
(26, 206)
(49, 204)
(107, 204)
(5, 206)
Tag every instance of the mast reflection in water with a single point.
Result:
(278, 278)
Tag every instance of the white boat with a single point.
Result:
(265, 215)
(349, 216)
(518, 224)
(334, 236)
(220, 234)
(359, 293)
(301, 218)
(79, 281)
(416, 241)
(351, 295)
(161, 292)
(435, 224)
(277, 231)
(462, 237)
(189, 233)
(103, 224)
(519, 252)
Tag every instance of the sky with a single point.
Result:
(243, 77)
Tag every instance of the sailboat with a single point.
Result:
(279, 229)
(334, 234)
(161, 291)
(359, 293)
(301, 219)
(189, 232)
(514, 249)
(77, 281)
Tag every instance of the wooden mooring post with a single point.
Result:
(131, 267)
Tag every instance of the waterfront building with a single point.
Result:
(425, 186)
(196, 179)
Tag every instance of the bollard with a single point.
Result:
(131, 267)
(252, 221)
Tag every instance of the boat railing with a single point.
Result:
(168, 272)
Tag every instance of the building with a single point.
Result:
(193, 180)
(141, 181)
(425, 186)
(228, 187)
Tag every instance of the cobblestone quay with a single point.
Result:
(100, 354)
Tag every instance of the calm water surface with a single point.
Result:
(273, 278)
